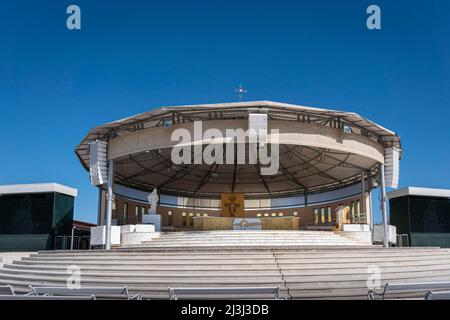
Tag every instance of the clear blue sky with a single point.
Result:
(132, 56)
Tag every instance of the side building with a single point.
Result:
(33, 214)
(423, 214)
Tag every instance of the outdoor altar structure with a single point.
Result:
(317, 162)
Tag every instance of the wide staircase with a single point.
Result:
(333, 272)
(248, 238)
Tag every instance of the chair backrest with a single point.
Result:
(31, 297)
(96, 291)
(411, 287)
(271, 291)
(417, 286)
(7, 290)
(438, 295)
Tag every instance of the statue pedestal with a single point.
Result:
(137, 234)
(154, 219)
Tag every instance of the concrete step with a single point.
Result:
(146, 263)
(386, 276)
(240, 251)
(152, 257)
(157, 268)
(219, 257)
(136, 281)
(145, 260)
(149, 277)
(281, 258)
(245, 232)
(309, 273)
(362, 270)
(268, 244)
(248, 238)
(147, 274)
(253, 236)
(289, 275)
(263, 248)
(350, 265)
(151, 254)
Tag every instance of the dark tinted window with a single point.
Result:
(26, 214)
(63, 214)
(399, 214)
(429, 214)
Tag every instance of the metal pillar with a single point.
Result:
(363, 194)
(71, 238)
(109, 199)
(383, 204)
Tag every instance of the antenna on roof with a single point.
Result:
(240, 91)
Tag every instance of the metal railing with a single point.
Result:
(66, 243)
(359, 218)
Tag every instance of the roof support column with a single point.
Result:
(363, 194)
(109, 199)
(383, 204)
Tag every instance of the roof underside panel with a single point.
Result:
(301, 168)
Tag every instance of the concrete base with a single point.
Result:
(98, 235)
(132, 234)
(357, 232)
(154, 219)
(136, 238)
(378, 233)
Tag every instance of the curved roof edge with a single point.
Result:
(107, 130)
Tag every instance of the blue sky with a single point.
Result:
(132, 56)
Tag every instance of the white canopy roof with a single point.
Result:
(418, 191)
(37, 188)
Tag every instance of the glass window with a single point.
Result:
(316, 216)
(295, 213)
(322, 215)
(429, 214)
(183, 219)
(191, 219)
(330, 219)
(125, 213)
(352, 210)
(136, 214)
(280, 214)
(258, 214)
(170, 218)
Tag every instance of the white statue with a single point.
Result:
(153, 201)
